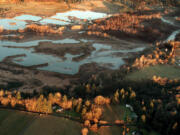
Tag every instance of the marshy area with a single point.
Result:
(113, 67)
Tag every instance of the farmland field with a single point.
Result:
(22, 123)
(169, 71)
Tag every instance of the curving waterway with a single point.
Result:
(173, 34)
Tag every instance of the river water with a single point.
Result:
(173, 34)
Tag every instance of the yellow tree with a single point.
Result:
(88, 103)
(116, 96)
(1, 93)
(99, 100)
(18, 95)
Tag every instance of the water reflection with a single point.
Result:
(10, 24)
(28, 18)
(36, 42)
(102, 55)
(89, 15)
(20, 22)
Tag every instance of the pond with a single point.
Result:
(103, 55)
(36, 42)
(28, 18)
(89, 15)
(10, 24)
(66, 18)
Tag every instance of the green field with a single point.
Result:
(168, 71)
(115, 112)
(112, 113)
(118, 112)
(21, 123)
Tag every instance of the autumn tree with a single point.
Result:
(88, 103)
(1, 93)
(88, 88)
(116, 96)
(18, 95)
(84, 110)
(84, 131)
(13, 102)
(99, 100)
(79, 105)
(64, 99)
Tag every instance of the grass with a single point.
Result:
(168, 71)
(20, 123)
(112, 113)
(118, 112)
(12, 122)
(50, 125)
(71, 113)
(115, 112)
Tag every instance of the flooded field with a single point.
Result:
(103, 54)
(20, 22)
(52, 45)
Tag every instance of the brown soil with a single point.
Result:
(61, 49)
(145, 26)
(46, 8)
(30, 78)
(178, 37)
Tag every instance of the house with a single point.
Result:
(57, 108)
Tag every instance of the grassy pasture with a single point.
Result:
(20, 123)
(168, 71)
(118, 112)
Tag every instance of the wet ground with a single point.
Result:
(36, 61)
(65, 55)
